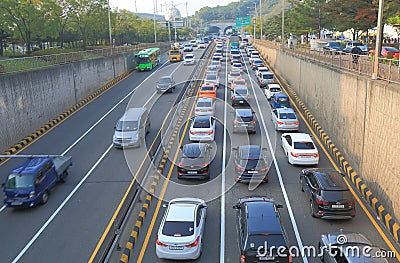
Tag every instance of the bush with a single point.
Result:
(52, 51)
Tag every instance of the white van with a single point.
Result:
(132, 128)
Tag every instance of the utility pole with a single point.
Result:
(187, 16)
(109, 24)
(378, 44)
(261, 33)
(283, 26)
(154, 18)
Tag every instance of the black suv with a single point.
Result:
(329, 195)
(245, 121)
(251, 163)
(258, 224)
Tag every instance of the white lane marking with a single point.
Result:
(2, 208)
(61, 206)
(222, 232)
(285, 196)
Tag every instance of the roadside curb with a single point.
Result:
(358, 182)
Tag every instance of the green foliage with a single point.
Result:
(53, 51)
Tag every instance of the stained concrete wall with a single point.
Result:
(362, 117)
(29, 100)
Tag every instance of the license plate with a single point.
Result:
(176, 247)
(267, 258)
(16, 203)
(241, 101)
(192, 172)
(203, 110)
(245, 125)
(288, 123)
(337, 206)
(252, 172)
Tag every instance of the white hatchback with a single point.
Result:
(299, 149)
(202, 129)
(180, 235)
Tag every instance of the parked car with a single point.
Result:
(266, 78)
(29, 183)
(285, 119)
(352, 44)
(189, 59)
(212, 79)
(188, 48)
(165, 84)
(299, 149)
(244, 121)
(240, 95)
(251, 163)
(204, 106)
(257, 63)
(272, 89)
(387, 52)
(194, 161)
(258, 225)
(332, 249)
(328, 193)
(202, 128)
(280, 100)
(208, 91)
(181, 231)
(333, 47)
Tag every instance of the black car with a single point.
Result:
(195, 161)
(258, 225)
(328, 194)
(245, 121)
(165, 84)
(333, 47)
(251, 163)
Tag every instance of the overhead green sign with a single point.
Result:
(242, 21)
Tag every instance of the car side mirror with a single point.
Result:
(279, 206)
(264, 148)
(203, 206)
(165, 205)
(181, 147)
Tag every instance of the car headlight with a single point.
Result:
(32, 194)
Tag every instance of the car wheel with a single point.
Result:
(301, 185)
(45, 197)
(312, 208)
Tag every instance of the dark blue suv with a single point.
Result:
(280, 100)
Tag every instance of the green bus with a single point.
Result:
(147, 59)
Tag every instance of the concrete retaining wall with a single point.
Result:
(361, 116)
(30, 99)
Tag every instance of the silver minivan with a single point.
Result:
(131, 128)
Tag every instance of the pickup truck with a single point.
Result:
(30, 182)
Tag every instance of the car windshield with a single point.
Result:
(124, 126)
(283, 104)
(174, 52)
(178, 228)
(287, 115)
(201, 124)
(15, 181)
(240, 82)
(267, 76)
(275, 89)
(304, 145)
(211, 77)
(207, 88)
(235, 73)
(204, 104)
(164, 81)
(189, 57)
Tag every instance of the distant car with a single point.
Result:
(244, 121)
(252, 58)
(280, 100)
(333, 251)
(386, 51)
(217, 57)
(234, 74)
(194, 161)
(212, 69)
(238, 82)
(208, 91)
(249, 49)
(352, 44)
(193, 42)
(189, 59)
(202, 129)
(259, 224)
(328, 194)
(272, 89)
(212, 79)
(236, 61)
(165, 84)
(257, 63)
(180, 236)
(259, 70)
(217, 64)
(188, 48)
(201, 44)
(299, 149)
(204, 107)
(240, 95)
(236, 58)
(333, 47)
(238, 66)
(251, 163)
(266, 78)
(284, 119)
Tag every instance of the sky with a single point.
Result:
(146, 6)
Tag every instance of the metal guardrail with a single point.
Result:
(15, 65)
(389, 69)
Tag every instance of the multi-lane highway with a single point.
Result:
(69, 226)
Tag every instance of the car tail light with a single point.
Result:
(210, 110)
(294, 155)
(252, 122)
(351, 203)
(159, 243)
(248, 97)
(243, 259)
(290, 259)
(296, 122)
(196, 110)
(315, 155)
(240, 169)
(194, 244)
(210, 132)
(280, 122)
(321, 202)
(180, 164)
(264, 169)
(233, 97)
(192, 132)
(235, 122)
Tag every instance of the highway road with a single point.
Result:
(69, 226)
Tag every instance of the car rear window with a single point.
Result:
(239, 82)
(201, 124)
(204, 104)
(343, 195)
(189, 57)
(207, 88)
(304, 145)
(274, 89)
(178, 228)
(267, 76)
(288, 115)
(255, 241)
(211, 77)
(241, 91)
(244, 118)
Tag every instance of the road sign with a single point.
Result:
(242, 20)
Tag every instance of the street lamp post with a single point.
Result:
(109, 24)
(283, 25)
(261, 33)
(154, 18)
(378, 44)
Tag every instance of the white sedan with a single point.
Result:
(181, 231)
(299, 149)
(202, 129)
(272, 89)
(189, 59)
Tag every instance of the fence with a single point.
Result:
(389, 69)
(15, 65)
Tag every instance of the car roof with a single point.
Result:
(274, 85)
(262, 219)
(250, 151)
(244, 112)
(166, 77)
(181, 212)
(132, 114)
(303, 137)
(262, 68)
(330, 180)
(241, 87)
(267, 73)
(285, 110)
(30, 166)
(281, 95)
